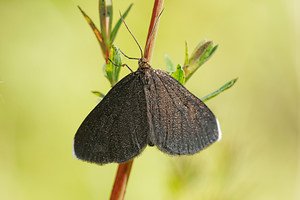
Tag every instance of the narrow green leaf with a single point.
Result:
(201, 53)
(109, 10)
(179, 74)
(186, 59)
(199, 57)
(112, 71)
(213, 50)
(118, 24)
(105, 13)
(170, 65)
(221, 89)
(96, 32)
(98, 94)
(102, 14)
(104, 70)
(197, 47)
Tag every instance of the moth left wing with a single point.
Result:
(180, 123)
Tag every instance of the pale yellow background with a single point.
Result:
(50, 61)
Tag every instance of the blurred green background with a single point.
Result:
(50, 61)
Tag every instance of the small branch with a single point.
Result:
(158, 4)
(122, 176)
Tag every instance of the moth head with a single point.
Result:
(144, 63)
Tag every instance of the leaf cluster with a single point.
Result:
(203, 51)
(106, 36)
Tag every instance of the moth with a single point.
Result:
(146, 107)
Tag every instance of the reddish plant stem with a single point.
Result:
(123, 172)
(157, 8)
(122, 176)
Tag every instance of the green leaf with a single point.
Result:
(170, 65)
(106, 14)
(199, 56)
(197, 47)
(179, 74)
(213, 51)
(112, 71)
(118, 24)
(98, 94)
(96, 31)
(221, 89)
(104, 70)
(186, 59)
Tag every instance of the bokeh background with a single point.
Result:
(50, 61)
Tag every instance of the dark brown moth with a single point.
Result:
(147, 107)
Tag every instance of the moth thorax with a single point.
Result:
(144, 63)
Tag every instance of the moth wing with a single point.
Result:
(180, 123)
(117, 129)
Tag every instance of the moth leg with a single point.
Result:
(120, 65)
(128, 56)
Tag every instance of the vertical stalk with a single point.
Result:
(157, 8)
(120, 184)
(123, 172)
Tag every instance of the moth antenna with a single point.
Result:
(147, 46)
(132, 36)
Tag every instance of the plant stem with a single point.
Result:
(122, 176)
(123, 172)
(157, 8)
